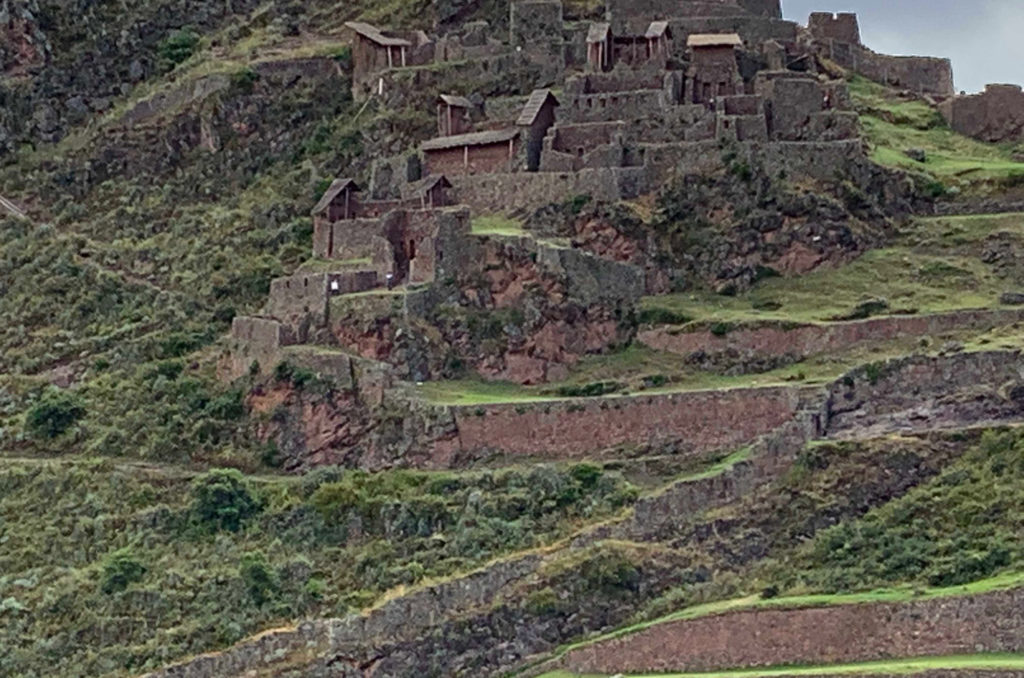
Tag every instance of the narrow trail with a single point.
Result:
(12, 209)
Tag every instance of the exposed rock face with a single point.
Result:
(727, 229)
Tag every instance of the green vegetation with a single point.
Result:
(894, 124)
(932, 266)
(206, 560)
(962, 527)
(978, 662)
(497, 225)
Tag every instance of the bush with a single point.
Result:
(259, 578)
(54, 414)
(177, 47)
(661, 316)
(591, 390)
(120, 569)
(221, 500)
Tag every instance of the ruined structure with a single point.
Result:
(995, 115)
(837, 37)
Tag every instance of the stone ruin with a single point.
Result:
(655, 88)
(995, 115)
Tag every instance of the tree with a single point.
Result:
(221, 500)
(55, 413)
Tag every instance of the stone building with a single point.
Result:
(454, 115)
(338, 202)
(713, 69)
(478, 152)
(430, 192)
(537, 118)
(599, 47)
(375, 51)
(995, 115)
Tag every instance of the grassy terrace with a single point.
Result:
(987, 662)
(903, 594)
(893, 124)
(933, 266)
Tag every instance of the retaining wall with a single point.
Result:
(778, 340)
(847, 633)
(690, 423)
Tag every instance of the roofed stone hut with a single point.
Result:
(659, 41)
(373, 51)
(431, 191)
(338, 202)
(454, 115)
(599, 47)
(475, 153)
(537, 118)
(713, 72)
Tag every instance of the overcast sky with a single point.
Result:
(984, 38)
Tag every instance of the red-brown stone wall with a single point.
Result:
(695, 421)
(482, 159)
(847, 633)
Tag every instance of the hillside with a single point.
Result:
(477, 338)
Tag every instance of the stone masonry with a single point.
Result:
(814, 636)
(995, 115)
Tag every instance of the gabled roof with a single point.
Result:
(471, 139)
(657, 29)
(419, 188)
(598, 32)
(456, 101)
(373, 34)
(335, 189)
(714, 40)
(538, 99)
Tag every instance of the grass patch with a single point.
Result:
(496, 224)
(979, 662)
(893, 124)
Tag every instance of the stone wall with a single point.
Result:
(258, 340)
(843, 27)
(685, 423)
(924, 75)
(778, 340)
(964, 389)
(814, 636)
(490, 193)
(995, 115)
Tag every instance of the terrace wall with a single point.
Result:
(840, 634)
(773, 340)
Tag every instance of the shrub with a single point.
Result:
(221, 500)
(661, 316)
(720, 329)
(120, 569)
(177, 47)
(55, 413)
(591, 390)
(259, 578)
(542, 602)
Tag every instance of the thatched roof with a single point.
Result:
(373, 34)
(335, 189)
(472, 139)
(538, 99)
(714, 40)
